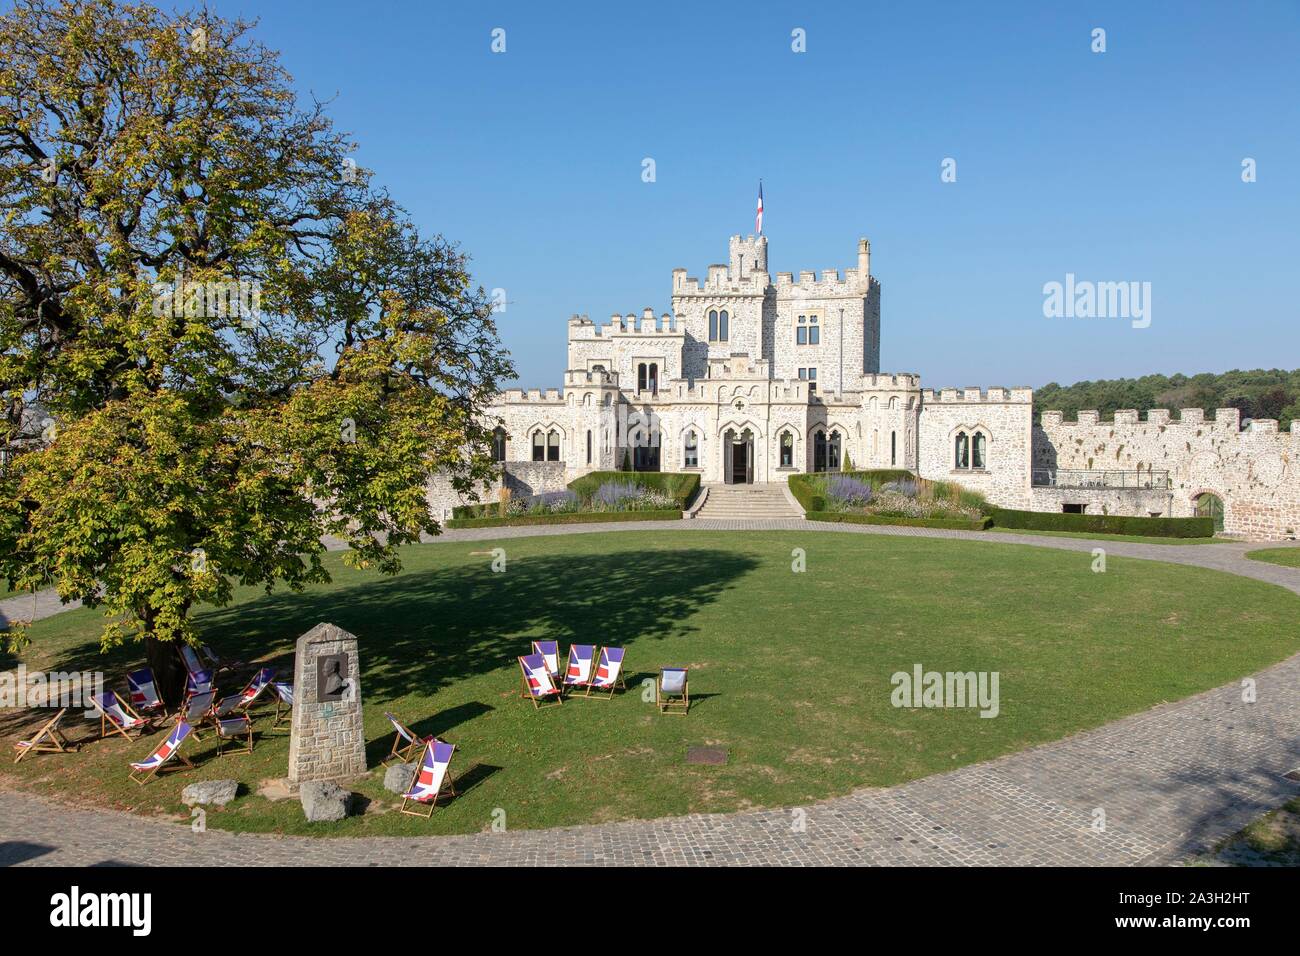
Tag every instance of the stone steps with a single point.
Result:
(747, 502)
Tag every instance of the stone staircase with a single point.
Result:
(747, 503)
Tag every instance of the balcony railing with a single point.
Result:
(1109, 480)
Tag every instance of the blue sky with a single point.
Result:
(1118, 166)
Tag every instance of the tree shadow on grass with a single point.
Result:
(424, 630)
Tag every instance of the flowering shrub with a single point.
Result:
(627, 496)
(897, 498)
(849, 492)
(907, 488)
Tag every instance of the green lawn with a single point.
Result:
(1288, 557)
(1133, 538)
(790, 672)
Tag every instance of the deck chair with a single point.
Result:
(143, 690)
(117, 716)
(198, 682)
(162, 753)
(578, 671)
(48, 740)
(283, 701)
(214, 661)
(196, 709)
(550, 651)
(190, 658)
(538, 685)
(405, 742)
(609, 673)
(241, 702)
(672, 691)
(430, 777)
(238, 729)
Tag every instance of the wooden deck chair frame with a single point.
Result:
(184, 712)
(558, 673)
(147, 775)
(57, 743)
(106, 724)
(540, 702)
(401, 754)
(447, 784)
(673, 703)
(595, 666)
(567, 687)
(282, 710)
(246, 747)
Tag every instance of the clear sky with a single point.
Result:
(1117, 166)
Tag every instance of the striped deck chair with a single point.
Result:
(216, 662)
(196, 709)
(672, 691)
(143, 690)
(550, 651)
(283, 701)
(162, 753)
(115, 715)
(578, 671)
(405, 742)
(430, 777)
(238, 729)
(538, 685)
(609, 673)
(241, 702)
(48, 740)
(198, 682)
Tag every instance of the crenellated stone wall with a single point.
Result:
(1004, 416)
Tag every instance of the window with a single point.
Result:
(787, 450)
(970, 450)
(893, 448)
(718, 325)
(498, 444)
(641, 376)
(539, 446)
(977, 450)
(589, 446)
(961, 457)
(691, 459)
(833, 452)
(814, 331)
(552, 445)
(1073, 509)
(807, 331)
(654, 378)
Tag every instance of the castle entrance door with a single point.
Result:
(738, 465)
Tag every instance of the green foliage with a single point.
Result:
(948, 498)
(1104, 524)
(200, 447)
(1258, 393)
(848, 517)
(571, 517)
(680, 487)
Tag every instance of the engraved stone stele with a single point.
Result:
(327, 740)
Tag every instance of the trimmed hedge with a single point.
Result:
(680, 487)
(845, 517)
(1105, 524)
(572, 517)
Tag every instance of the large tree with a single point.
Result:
(159, 177)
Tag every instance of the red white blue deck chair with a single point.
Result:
(116, 716)
(142, 771)
(430, 778)
(538, 686)
(283, 701)
(190, 658)
(578, 671)
(48, 740)
(550, 651)
(238, 729)
(405, 742)
(216, 662)
(196, 709)
(143, 690)
(241, 702)
(198, 682)
(609, 673)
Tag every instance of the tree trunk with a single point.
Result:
(168, 671)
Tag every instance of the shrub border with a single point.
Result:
(572, 517)
(1135, 525)
(848, 517)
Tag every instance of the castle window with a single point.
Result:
(724, 331)
(893, 448)
(977, 450)
(641, 377)
(814, 331)
(539, 446)
(498, 444)
(961, 451)
(787, 450)
(801, 331)
(833, 452)
(654, 378)
(718, 325)
(692, 457)
(552, 445)
(807, 331)
(589, 446)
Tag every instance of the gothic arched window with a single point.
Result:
(552, 445)
(787, 450)
(498, 444)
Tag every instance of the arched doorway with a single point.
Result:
(738, 457)
(1210, 506)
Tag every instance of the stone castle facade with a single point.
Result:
(747, 379)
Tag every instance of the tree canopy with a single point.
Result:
(233, 343)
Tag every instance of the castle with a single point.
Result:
(747, 380)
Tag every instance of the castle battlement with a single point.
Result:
(582, 328)
(577, 378)
(974, 395)
(890, 380)
(1225, 419)
(534, 396)
(720, 281)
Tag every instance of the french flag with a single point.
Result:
(758, 217)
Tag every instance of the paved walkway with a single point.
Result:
(1170, 782)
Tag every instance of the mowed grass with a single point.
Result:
(1287, 557)
(790, 672)
(1131, 538)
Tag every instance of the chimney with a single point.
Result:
(864, 263)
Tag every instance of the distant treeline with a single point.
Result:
(1260, 393)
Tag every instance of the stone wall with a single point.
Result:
(1253, 471)
(1003, 415)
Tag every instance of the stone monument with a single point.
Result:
(327, 740)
